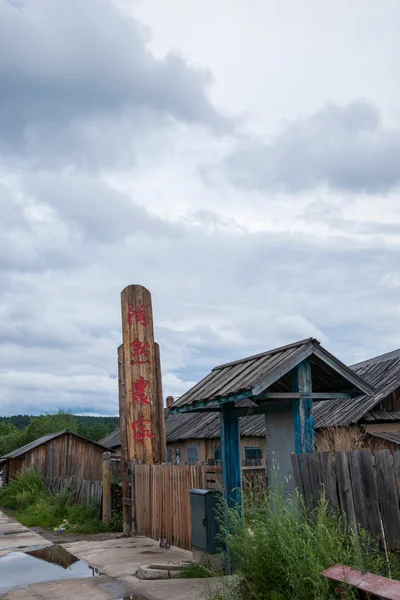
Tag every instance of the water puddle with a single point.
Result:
(20, 569)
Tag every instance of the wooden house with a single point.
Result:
(57, 455)
(193, 438)
(367, 421)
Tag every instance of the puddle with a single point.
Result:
(149, 552)
(20, 569)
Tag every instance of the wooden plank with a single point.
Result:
(305, 477)
(328, 475)
(296, 472)
(388, 498)
(365, 491)
(107, 488)
(396, 464)
(345, 490)
(314, 470)
(378, 586)
(159, 409)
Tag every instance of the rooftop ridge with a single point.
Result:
(378, 359)
(267, 352)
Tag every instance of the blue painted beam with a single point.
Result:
(211, 402)
(231, 461)
(303, 419)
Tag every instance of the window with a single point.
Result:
(217, 455)
(252, 454)
(177, 456)
(169, 455)
(193, 454)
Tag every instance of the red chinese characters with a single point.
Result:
(141, 315)
(140, 353)
(141, 431)
(139, 392)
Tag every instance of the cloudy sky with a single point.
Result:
(239, 158)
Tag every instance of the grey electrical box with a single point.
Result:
(205, 527)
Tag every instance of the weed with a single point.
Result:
(278, 551)
(38, 507)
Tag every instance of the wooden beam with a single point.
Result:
(302, 409)
(285, 367)
(231, 462)
(344, 371)
(126, 511)
(212, 403)
(107, 488)
(313, 395)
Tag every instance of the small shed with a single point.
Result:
(57, 455)
(281, 384)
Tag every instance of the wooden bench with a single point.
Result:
(366, 583)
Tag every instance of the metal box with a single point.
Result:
(205, 527)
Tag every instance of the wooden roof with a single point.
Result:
(383, 373)
(43, 440)
(271, 371)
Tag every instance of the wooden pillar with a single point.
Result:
(302, 409)
(231, 461)
(126, 496)
(145, 429)
(107, 488)
(159, 403)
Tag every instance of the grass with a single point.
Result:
(200, 570)
(278, 552)
(36, 506)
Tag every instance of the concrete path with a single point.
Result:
(14, 536)
(118, 560)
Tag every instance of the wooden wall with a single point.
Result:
(206, 447)
(66, 456)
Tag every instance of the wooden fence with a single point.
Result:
(364, 486)
(161, 497)
(81, 490)
(162, 503)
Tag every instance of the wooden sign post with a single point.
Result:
(144, 413)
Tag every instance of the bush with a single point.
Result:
(279, 552)
(38, 507)
(23, 490)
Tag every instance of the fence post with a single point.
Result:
(107, 488)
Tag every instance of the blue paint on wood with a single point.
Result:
(211, 402)
(230, 450)
(303, 420)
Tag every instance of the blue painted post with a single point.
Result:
(230, 450)
(302, 409)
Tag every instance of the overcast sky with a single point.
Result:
(241, 159)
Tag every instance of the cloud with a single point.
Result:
(88, 60)
(345, 148)
(110, 174)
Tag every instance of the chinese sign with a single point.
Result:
(144, 406)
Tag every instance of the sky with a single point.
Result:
(239, 159)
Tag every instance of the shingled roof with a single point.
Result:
(271, 370)
(180, 427)
(383, 373)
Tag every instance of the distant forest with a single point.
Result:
(18, 430)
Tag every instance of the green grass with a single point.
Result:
(200, 570)
(36, 506)
(278, 552)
